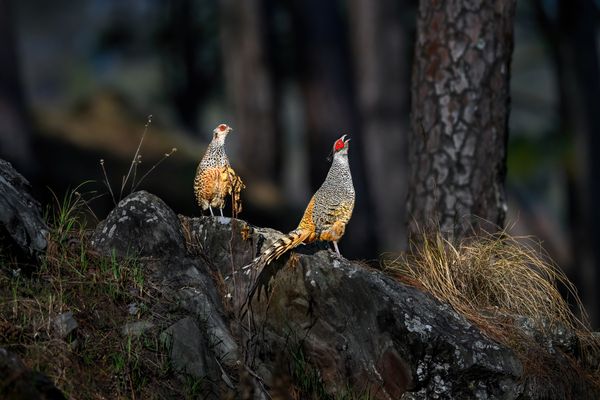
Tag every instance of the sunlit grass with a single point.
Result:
(496, 279)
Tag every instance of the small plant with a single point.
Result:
(68, 215)
(118, 362)
(305, 376)
(128, 186)
(137, 275)
(193, 386)
(115, 267)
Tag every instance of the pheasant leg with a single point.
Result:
(337, 250)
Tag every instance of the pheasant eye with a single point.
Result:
(222, 127)
(339, 144)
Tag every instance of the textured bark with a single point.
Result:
(249, 85)
(380, 44)
(459, 120)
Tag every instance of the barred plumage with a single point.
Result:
(327, 213)
(215, 179)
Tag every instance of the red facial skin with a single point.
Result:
(222, 127)
(339, 144)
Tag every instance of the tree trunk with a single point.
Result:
(327, 86)
(380, 43)
(459, 121)
(15, 135)
(249, 85)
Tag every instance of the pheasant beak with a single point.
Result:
(346, 141)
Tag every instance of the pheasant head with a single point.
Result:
(340, 147)
(221, 132)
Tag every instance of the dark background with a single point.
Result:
(78, 80)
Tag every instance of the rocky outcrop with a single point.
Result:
(359, 329)
(141, 225)
(20, 213)
(199, 338)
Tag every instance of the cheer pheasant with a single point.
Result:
(215, 179)
(327, 213)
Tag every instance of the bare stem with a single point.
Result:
(135, 156)
(167, 155)
(107, 182)
(135, 168)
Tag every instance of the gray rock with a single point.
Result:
(188, 348)
(190, 354)
(197, 296)
(136, 328)
(20, 213)
(141, 225)
(554, 338)
(64, 324)
(17, 382)
(362, 329)
(133, 308)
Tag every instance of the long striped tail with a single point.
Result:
(281, 246)
(274, 251)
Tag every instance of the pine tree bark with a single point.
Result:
(380, 44)
(459, 120)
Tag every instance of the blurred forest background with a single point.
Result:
(78, 80)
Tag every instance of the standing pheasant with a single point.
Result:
(327, 213)
(215, 179)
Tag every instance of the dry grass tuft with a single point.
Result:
(497, 273)
(495, 279)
